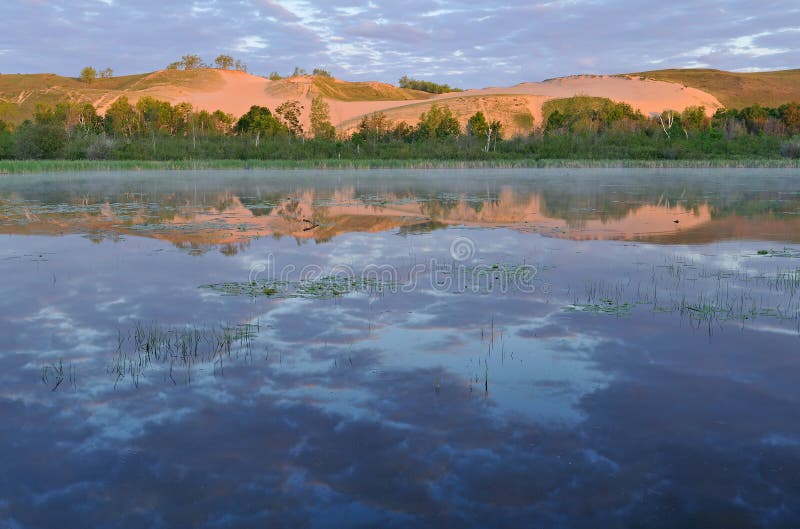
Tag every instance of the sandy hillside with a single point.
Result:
(519, 108)
(646, 95)
(514, 106)
(235, 92)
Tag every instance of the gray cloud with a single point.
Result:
(452, 41)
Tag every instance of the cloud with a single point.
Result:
(250, 43)
(453, 41)
(396, 32)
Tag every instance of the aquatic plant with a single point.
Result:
(701, 295)
(326, 287)
(150, 346)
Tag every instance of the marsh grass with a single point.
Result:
(176, 351)
(53, 375)
(49, 166)
(700, 295)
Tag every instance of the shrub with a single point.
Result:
(791, 149)
(100, 148)
(36, 141)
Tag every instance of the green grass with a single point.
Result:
(736, 90)
(50, 166)
(347, 91)
(20, 93)
(523, 120)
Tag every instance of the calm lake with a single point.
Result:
(553, 348)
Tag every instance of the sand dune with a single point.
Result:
(518, 107)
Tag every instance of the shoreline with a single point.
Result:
(8, 167)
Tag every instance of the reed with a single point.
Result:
(49, 166)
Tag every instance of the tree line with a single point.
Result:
(574, 128)
(194, 62)
(425, 86)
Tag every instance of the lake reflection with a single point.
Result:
(301, 349)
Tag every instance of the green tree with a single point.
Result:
(259, 121)
(191, 62)
(477, 125)
(107, 73)
(320, 72)
(44, 115)
(693, 119)
(425, 86)
(224, 62)
(275, 76)
(6, 141)
(321, 126)
(375, 126)
(438, 122)
(755, 118)
(40, 140)
(790, 116)
(223, 123)
(290, 112)
(70, 116)
(156, 116)
(182, 119)
(122, 118)
(493, 135)
(88, 119)
(88, 75)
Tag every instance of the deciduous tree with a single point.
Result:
(259, 122)
(191, 62)
(224, 62)
(477, 125)
(122, 118)
(790, 115)
(88, 75)
(290, 112)
(321, 126)
(438, 122)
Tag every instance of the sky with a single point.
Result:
(466, 44)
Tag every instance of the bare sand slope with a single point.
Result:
(515, 106)
(519, 107)
(232, 92)
(645, 95)
(235, 92)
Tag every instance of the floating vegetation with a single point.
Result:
(326, 287)
(786, 252)
(605, 306)
(698, 294)
(176, 350)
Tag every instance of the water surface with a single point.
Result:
(401, 349)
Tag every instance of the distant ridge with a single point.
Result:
(518, 108)
(736, 90)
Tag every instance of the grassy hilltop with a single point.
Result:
(737, 90)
